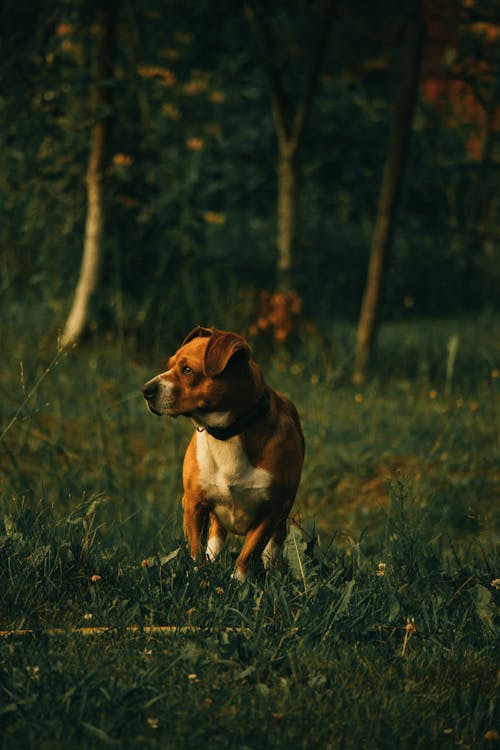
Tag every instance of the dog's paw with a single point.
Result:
(214, 547)
(271, 555)
(238, 576)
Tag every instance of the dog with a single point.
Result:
(242, 467)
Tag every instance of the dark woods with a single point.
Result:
(177, 163)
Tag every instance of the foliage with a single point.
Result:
(191, 185)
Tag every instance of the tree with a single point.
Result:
(290, 127)
(92, 246)
(388, 199)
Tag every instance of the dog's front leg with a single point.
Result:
(195, 524)
(216, 537)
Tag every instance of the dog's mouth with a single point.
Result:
(168, 411)
(153, 410)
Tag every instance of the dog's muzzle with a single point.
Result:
(150, 392)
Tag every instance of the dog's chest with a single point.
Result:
(230, 482)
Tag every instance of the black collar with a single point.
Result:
(243, 422)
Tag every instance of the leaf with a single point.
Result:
(10, 525)
(100, 734)
(245, 674)
(484, 606)
(394, 609)
(164, 559)
(8, 708)
(344, 599)
(39, 555)
(160, 560)
(294, 552)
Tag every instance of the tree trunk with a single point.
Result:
(287, 208)
(289, 129)
(92, 244)
(389, 195)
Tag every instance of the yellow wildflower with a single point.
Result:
(381, 568)
(410, 629)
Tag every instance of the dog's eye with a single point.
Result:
(186, 370)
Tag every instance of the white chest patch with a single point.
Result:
(235, 487)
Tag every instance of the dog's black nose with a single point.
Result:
(149, 390)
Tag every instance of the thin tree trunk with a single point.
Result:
(287, 210)
(92, 244)
(389, 196)
(289, 130)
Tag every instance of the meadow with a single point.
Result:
(378, 630)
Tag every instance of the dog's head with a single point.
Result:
(208, 374)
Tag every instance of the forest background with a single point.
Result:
(190, 99)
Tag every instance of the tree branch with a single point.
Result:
(279, 102)
(300, 119)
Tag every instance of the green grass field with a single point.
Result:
(378, 629)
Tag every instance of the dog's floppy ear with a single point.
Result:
(221, 348)
(198, 331)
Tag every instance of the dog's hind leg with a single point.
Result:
(273, 547)
(255, 542)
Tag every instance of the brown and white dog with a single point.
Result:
(242, 467)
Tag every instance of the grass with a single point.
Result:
(377, 631)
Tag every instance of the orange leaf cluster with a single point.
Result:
(214, 217)
(171, 111)
(451, 89)
(217, 97)
(457, 98)
(195, 144)
(64, 29)
(195, 86)
(164, 75)
(123, 160)
(276, 314)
